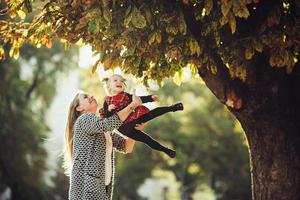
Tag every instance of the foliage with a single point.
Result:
(25, 94)
(156, 39)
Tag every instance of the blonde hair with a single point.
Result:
(73, 114)
(108, 81)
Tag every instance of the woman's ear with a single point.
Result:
(79, 109)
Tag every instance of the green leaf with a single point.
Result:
(182, 25)
(128, 16)
(92, 27)
(138, 20)
(107, 16)
(129, 52)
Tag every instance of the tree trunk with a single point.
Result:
(271, 123)
(275, 163)
(270, 116)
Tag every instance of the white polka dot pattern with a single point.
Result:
(87, 180)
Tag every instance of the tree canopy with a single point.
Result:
(156, 39)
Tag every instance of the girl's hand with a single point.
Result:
(111, 107)
(136, 100)
(155, 97)
(140, 126)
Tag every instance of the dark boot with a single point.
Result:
(177, 107)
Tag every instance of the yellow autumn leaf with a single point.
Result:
(158, 38)
(208, 5)
(2, 53)
(12, 14)
(152, 38)
(170, 39)
(249, 52)
(21, 14)
(95, 67)
(177, 78)
(243, 12)
(193, 68)
(182, 25)
(232, 23)
(14, 53)
(258, 46)
(225, 7)
(194, 47)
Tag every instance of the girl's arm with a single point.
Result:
(106, 112)
(145, 99)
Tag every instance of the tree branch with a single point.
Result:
(221, 82)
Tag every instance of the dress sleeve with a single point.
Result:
(145, 99)
(91, 123)
(118, 142)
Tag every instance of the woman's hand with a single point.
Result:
(140, 126)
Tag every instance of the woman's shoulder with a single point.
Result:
(86, 117)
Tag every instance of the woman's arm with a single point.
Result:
(121, 144)
(129, 144)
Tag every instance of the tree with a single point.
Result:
(246, 51)
(25, 95)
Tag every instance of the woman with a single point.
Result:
(91, 161)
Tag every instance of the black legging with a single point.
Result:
(129, 130)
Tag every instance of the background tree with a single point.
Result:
(232, 45)
(27, 87)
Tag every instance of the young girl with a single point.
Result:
(119, 99)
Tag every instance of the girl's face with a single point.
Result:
(116, 84)
(87, 103)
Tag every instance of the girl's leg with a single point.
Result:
(158, 112)
(145, 138)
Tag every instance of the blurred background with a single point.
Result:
(212, 161)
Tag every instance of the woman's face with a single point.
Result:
(87, 103)
(116, 84)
